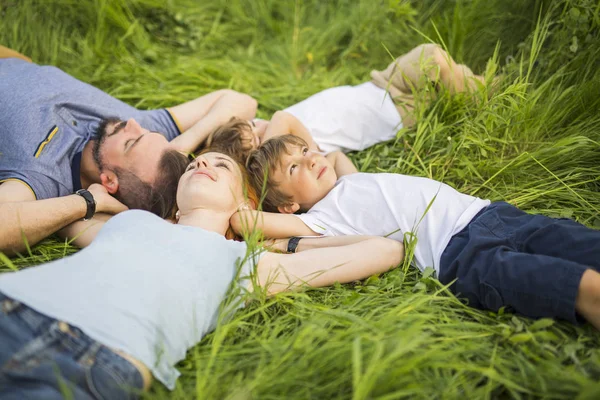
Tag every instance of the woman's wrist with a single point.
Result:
(292, 244)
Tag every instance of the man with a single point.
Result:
(58, 135)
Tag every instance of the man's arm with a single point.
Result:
(284, 123)
(341, 163)
(272, 225)
(24, 218)
(199, 117)
(319, 267)
(82, 233)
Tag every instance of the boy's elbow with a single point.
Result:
(393, 251)
(247, 105)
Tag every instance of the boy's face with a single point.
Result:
(305, 176)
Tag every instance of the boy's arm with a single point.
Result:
(284, 123)
(272, 225)
(341, 163)
(325, 266)
(199, 117)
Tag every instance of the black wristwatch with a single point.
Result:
(293, 244)
(89, 200)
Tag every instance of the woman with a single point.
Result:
(103, 322)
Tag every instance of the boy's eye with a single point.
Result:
(292, 168)
(304, 151)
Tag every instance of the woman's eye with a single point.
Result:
(191, 166)
(304, 151)
(292, 168)
(222, 164)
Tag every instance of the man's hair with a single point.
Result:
(230, 139)
(159, 197)
(264, 161)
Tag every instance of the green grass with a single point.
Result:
(535, 143)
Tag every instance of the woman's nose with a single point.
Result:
(201, 162)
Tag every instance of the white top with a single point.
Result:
(144, 286)
(349, 118)
(384, 204)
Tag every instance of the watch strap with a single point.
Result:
(89, 201)
(293, 244)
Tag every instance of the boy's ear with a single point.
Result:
(289, 208)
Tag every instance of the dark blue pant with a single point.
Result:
(530, 263)
(42, 358)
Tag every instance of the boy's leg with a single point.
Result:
(425, 64)
(492, 271)
(588, 298)
(560, 238)
(5, 52)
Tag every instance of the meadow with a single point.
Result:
(533, 142)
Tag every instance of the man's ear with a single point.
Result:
(110, 181)
(289, 208)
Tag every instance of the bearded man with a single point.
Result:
(60, 136)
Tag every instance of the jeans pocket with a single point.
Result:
(33, 353)
(108, 382)
(490, 298)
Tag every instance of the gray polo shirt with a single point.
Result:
(47, 117)
(144, 286)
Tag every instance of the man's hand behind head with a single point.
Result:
(104, 201)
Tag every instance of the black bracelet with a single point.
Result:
(293, 244)
(89, 201)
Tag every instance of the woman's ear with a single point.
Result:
(289, 208)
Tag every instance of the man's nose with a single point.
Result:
(133, 127)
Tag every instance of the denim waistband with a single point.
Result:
(80, 345)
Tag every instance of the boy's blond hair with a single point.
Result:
(263, 162)
(231, 139)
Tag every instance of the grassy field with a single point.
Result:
(535, 143)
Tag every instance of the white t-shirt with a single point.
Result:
(384, 204)
(144, 286)
(349, 118)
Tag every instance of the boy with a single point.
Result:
(493, 254)
(349, 118)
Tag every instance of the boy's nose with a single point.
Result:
(311, 159)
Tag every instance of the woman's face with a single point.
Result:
(212, 181)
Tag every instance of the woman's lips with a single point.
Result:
(205, 173)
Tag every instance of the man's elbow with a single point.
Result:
(10, 247)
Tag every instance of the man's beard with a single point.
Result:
(99, 138)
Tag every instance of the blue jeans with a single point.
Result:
(533, 264)
(42, 358)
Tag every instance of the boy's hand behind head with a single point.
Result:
(292, 177)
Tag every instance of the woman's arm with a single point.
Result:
(284, 123)
(318, 267)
